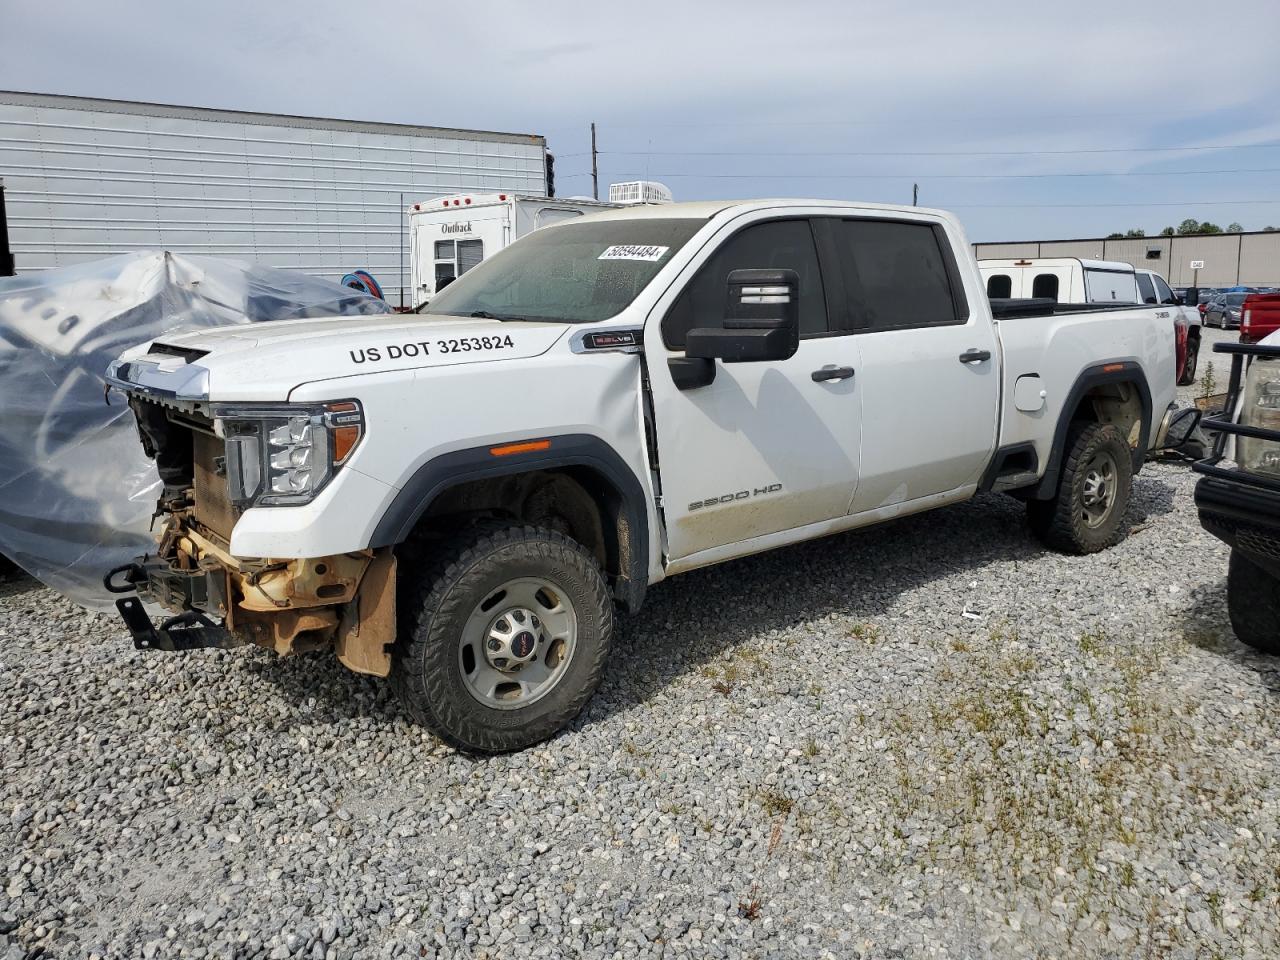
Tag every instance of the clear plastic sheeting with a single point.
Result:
(76, 492)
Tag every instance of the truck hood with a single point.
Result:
(265, 361)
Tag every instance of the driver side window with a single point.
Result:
(775, 244)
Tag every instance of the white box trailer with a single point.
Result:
(450, 235)
(88, 178)
(1065, 279)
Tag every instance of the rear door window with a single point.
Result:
(1000, 286)
(898, 275)
(1146, 288)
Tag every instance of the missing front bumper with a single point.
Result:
(345, 603)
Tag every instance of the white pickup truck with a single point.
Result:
(458, 499)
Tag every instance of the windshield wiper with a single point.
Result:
(486, 315)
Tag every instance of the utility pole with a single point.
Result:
(595, 173)
(915, 194)
(403, 218)
(6, 255)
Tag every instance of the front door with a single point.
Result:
(766, 446)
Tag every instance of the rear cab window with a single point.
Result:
(1000, 286)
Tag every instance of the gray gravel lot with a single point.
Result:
(930, 739)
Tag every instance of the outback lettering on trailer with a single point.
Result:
(456, 227)
(731, 497)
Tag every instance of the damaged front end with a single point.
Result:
(215, 463)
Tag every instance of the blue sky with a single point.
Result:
(1029, 120)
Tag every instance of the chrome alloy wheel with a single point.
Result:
(1098, 492)
(517, 643)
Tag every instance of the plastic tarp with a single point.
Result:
(76, 491)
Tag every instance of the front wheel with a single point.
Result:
(1085, 513)
(504, 640)
(1253, 602)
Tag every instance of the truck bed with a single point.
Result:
(1003, 308)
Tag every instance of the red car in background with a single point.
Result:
(1259, 316)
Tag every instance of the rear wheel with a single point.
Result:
(1085, 514)
(503, 639)
(1253, 602)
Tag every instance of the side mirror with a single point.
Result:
(761, 320)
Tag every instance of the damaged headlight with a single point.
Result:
(283, 455)
(1261, 410)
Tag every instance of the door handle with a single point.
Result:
(974, 355)
(832, 373)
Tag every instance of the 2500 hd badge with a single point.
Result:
(731, 497)
(422, 348)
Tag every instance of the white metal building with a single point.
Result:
(90, 178)
(1251, 258)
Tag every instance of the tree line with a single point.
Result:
(1186, 227)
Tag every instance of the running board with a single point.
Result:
(1014, 481)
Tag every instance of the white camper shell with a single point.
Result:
(1064, 279)
(450, 235)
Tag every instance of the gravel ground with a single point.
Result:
(930, 739)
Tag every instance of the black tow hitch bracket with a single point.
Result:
(189, 630)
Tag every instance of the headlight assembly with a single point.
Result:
(1261, 409)
(284, 454)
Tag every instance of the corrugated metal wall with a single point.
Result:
(91, 178)
(1249, 259)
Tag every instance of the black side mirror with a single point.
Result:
(761, 320)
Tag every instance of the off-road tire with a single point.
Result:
(1253, 602)
(435, 601)
(1059, 522)
(1193, 362)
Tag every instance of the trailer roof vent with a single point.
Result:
(640, 191)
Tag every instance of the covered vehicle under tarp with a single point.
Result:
(76, 491)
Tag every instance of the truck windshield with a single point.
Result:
(575, 273)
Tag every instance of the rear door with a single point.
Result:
(930, 372)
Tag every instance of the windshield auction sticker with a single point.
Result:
(631, 251)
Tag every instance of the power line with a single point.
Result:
(1157, 203)
(927, 153)
(947, 176)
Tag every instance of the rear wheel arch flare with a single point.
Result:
(1096, 382)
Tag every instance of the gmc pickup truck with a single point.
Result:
(458, 499)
